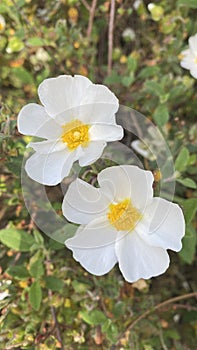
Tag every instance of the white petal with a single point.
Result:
(193, 72)
(139, 260)
(166, 224)
(127, 181)
(45, 147)
(89, 249)
(92, 152)
(62, 93)
(83, 203)
(193, 44)
(50, 169)
(96, 93)
(106, 132)
(188, 60)
(33, 120)
(96, 234)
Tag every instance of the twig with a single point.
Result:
(156, 307)
(91, 18)
(86, 5)
(110, 36)
(53, 313)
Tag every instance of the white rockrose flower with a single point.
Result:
(189, 57)
(77, 120)
(121, 222)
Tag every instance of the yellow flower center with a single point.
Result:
(1, 26)
(75, 134)
(123, 216)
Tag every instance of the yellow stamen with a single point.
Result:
(123, 216)
(75, 134)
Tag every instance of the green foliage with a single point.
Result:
(44, 287)
(35, 295)
(18, 240)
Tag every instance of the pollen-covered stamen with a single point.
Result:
(75, 134)
(123, 216)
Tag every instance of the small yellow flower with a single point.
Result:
(123, 59)
(73, 15)
(76, 45)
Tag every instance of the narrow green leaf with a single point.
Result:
(36, 268)
(161, 115)
(187, 182)
(182, 160)
(17, 239)
(18, 272)
(35, 295)
(53, 283)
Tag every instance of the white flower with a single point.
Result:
(122, 222)
(189, 60)
(77, 118)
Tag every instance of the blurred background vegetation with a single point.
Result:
(47, 300)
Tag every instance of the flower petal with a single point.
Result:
(50, 169)
(33, 120)
(62, 93)
(137, 259)
(89, 249)
(83, 203)
(91, 153)
(48, 146)
(193, 72)
(188, 59)
(96, 93)
(166, 224)
(106, 132)
(127, 181)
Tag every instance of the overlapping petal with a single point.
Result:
(33, 120)
(83, 203)
(89, 154)
(137, 259)
(106, 132)
(127, 181)
(166, 224)
(62, 93)
(49, 169)
(91, 247)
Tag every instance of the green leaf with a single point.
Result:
(35, 41)
(17, 239)
(35, 295)
(190, 208)
(114, 78)
(187, 182)
(132, 64)
(80, 287)
(18, 272)
(14, 45)
(94, 317)
(23, 75)
(189, 245)
(189, 3)
(149, 72)
(127, 81)
(36, 268)
(53, 283)
(182, 160)
(161, 115)
(154, 88)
